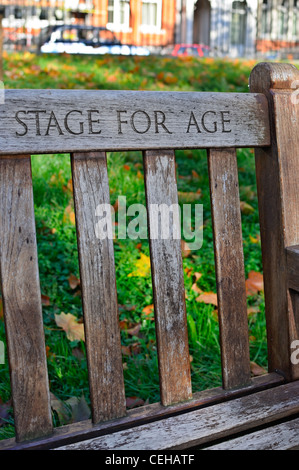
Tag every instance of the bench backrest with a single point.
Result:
(86, 124)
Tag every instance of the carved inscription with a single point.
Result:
(41, 122)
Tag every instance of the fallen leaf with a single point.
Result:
(252, 310)
(254, 283)
(74, 282)
(148, 310)
(196, 289)
(208, 298)
(256, 369)
(69, 323)
(189, 196)
(79, 408)
(60, 408)
(126, 350)
(4, 412)
(45, 300)
(186, 251)
(69, 215)
(246, 208)
(143, 267)
(135, 330)
(133, 402)
(254, 239)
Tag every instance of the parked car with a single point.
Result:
(79, 39)
(196, 50)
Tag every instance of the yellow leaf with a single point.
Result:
(142, 265)
(69, 323)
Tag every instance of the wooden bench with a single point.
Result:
(86, 124)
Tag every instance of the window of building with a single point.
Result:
(151, 15)
(238, 23)
(118, 15)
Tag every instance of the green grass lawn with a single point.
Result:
(56, 233)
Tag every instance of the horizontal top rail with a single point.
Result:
(63, 121)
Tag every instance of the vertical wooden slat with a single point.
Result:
(229, 260)
(168, 283)
(97, 272)
(22, 300)
(278, 195)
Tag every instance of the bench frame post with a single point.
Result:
(278, 196)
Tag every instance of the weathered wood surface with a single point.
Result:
(278, 196)
(48, 121)
(293, 267)
(76, 432)
(202, 426)
(22, 301)
(97, 274)
(283, 436)
(230, 274)
(167, 277)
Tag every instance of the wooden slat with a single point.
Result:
(22, 300)
(82, 430)
(293, 267)
(168, 280)
(229, 260)
(283, 436)
(62, 121)
(202, 426)
(97, 272)
(278, 196)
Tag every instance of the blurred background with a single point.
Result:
(251, 29)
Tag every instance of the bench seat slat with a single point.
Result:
(229, 260)
(97, 273)
(168, 280)
(199, 427)
(22, 301)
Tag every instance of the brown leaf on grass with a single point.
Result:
(186, 251)
(69, 215)
(134, 330)
(196, 289)
(70, 324)
(4, 411)
(45, 300)
(208, 298)
(252, 310)
(74, 282)
(256, 369)
(133, 402)
(126, 350)
(254, 283)
(246, 208)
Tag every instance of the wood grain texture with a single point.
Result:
(283, 436)
(229, 260)
(62, 121)
(278, 196)
(97, 273)
(293, 267)
(168, 280)
(82, 430)
(22, 301)
(199, 427)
